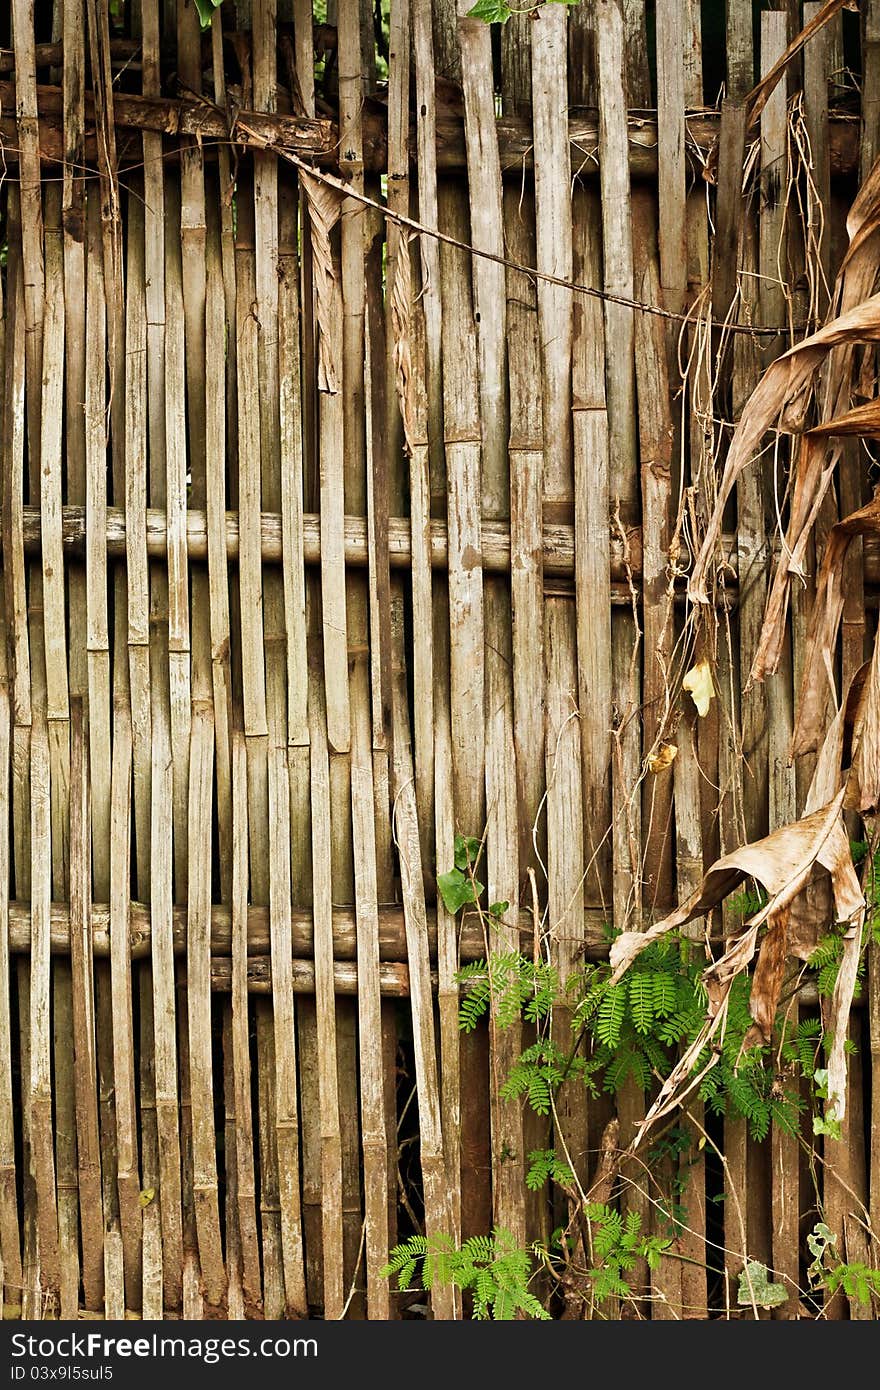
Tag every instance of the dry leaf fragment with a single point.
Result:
(698, 684)
(783, 863)
(664, 756)
(324, 205)
(783, 388)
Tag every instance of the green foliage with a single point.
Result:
(617, 1243)
(540, 1070)
(460, 886)
(755, 1287)
(637, 1025)
(857, 1281)
(515, 985)
(544, 1166)
(206, 10)
(491, 1267)
(499, 12)
(456, 890)
(820, 1240)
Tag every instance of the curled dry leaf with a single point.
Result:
(783, 863)
(783, 390)
(817, 682)
(400, 326)
(698, 683)
(324, 205)
(815, 461)
(781, 398)
(662, 757)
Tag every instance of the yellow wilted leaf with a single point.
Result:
(662, 758)
(698, 682)
(147, 1196)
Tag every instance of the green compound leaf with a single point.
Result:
(753, 1283)
(499, 909)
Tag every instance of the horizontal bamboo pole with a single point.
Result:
(392, 937)
(393, 970)
(320, 137)
(558, 542)
(393, 976)
(304, 135)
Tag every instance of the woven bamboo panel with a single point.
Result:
(364, 394)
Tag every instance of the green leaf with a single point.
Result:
(467, 850)
(206, 10)
(491, 11)
(826, 1125)
(456, 890)
(754, 1285)
(499, 909)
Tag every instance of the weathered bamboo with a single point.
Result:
(10, 1240)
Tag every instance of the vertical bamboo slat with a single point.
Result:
(10, 1238)
(198, 993)
(127, 1174)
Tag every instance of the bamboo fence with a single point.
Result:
(324, 539)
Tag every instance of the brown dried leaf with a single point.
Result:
(662, 758)
(402, 354)
(784, 864)
(781, 862)
(324, 205)
(699, 685)
(815, 462)
(862, 420)
(767, 979)
(863, 788)
(818, 671)
(786, 382)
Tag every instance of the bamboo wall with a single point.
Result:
(323, 541)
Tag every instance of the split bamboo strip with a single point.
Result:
(286, 1121)
(270, 1214)
(353, 70)
(328, 1082)
(65, 1141)
(39, 1081)
(656, 441)
(136, 564)
(462, 429)
(14, 574)
(250, 574)
(620, 389)
(97, 622)
(127, 1172)
(85, 1061)
(241, 1062)
(10, 1237)
(448, 951)
(179, 644)
(433, 1160)
(198, 961)
(592, 549)
(31, 227)
(235, 1304)
(164, 995)
(54, 625)
(218, 579)
(563, 765)
(375, 1139)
